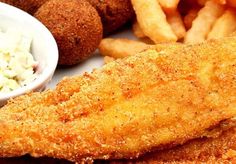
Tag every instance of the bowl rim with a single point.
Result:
(45, 76)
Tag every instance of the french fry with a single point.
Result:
(176, 23)
(169, 5)
(108, 59)
(152, 21)
(224, 26)
(120, 48)
(191, 15)
(138, 32)
(203, 23)
(231, 3)
(113, 49)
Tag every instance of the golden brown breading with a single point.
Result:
(216, 145)
(220, 147)
(76, 27)
(149, 101)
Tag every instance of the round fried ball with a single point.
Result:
(114, 13)
(76, 26)
(29, 6)
(10, 2)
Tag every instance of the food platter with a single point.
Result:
(160, 93)
(95, 61)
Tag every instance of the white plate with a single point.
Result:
(96, 61)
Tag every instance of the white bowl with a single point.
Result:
(43, 48)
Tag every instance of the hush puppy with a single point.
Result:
(114, 13)
(29, 6)
(76, 26)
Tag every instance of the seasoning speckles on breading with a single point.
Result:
(131, 106)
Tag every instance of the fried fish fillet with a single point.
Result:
(153, 100)
(219, 146)
(216, 145)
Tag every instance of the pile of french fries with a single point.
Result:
(168, 21)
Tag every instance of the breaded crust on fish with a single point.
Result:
(153, 100)
(218, 146)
